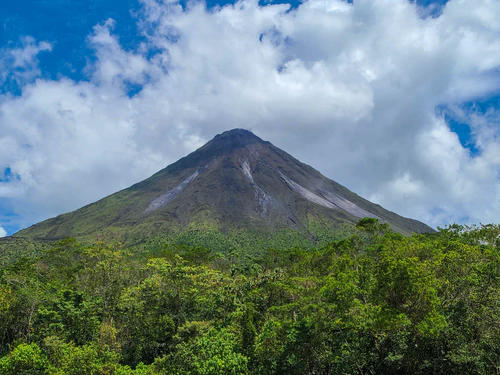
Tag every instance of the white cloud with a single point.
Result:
(20, 63)
(3, 232)
(351, 89)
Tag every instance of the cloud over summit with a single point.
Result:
(364, 92)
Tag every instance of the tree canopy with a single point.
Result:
(368, 302)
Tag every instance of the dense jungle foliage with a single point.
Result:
(367, 302)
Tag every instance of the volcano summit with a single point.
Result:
(236, 180)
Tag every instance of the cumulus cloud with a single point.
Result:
(20, 64)
(352, 89)
(3, 232)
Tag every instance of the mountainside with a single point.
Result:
(235, 181)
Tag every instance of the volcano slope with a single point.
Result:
(235, 182)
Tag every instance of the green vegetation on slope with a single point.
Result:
(369, 301)
(143, 239)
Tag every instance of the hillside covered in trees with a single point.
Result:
(367, 301)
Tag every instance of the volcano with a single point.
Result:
(236, 180)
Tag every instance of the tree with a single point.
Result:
(25, 359)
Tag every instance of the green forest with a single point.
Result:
(359, 301)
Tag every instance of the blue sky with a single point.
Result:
(397, 100)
